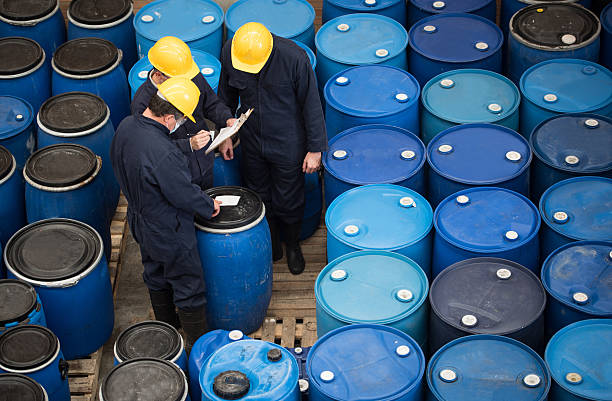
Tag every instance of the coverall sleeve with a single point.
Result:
(225, 92)
(214, 109)
(308, 98)
(140, 102)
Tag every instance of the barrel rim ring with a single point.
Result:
(26, 73)
(233, 230)
(11, 171)
(110, 69)
(174, 358)
(74, 187)
(38, 368)
(606, 9)
(129, 13)
(469, 11)
(73, 134)
(341, 4)
(31, 22)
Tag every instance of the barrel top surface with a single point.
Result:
(61, 165)
(480, 154)
(357, 371)
(286, 18)
(489, 220)
(578, 143)
(309, 53)
(25, 10)
(151, 339)
(488, 289)
(606, 18)
(380, 216)
(361, 6)
(17, 301)
(19, 55)
(374, 154)
(73, 112)
(362, 38)
(85, 56)
(20, 387)
(450, 6)
(27, 347)
(455, 37)
(99, 12)
(471, 96)
(186, 19)
(7, 162)
(482, 367)
(372, 91)
(579, 208)
(570, 85)
(16, 115)
(248, 210)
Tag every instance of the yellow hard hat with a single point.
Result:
(251, 47)
(182, 93)
(172, 57)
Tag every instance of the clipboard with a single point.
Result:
(228, 132)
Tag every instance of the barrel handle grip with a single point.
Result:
(63, 368)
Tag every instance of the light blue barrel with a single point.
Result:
(111, 20)
(606, 36)
(227, 172)
(395, 9)
(199, 23)
(419, 9)
(487, 367)
(309, 52)
(560, 86)
(19, 305)
(236, 254)
(366, 362)
(373, 154)
(382, 217)
(579, 360)
(510, 7)
(358, 39)
(17, 129)
(371, 94)
(64, 260)
(570, 145)
(453, 41)
(486, 221)
(313, 206)
(576, 209)
(291, 19)
(477, 155)
(250, 370)
(12, 200)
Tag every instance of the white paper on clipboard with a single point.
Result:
(228, 132)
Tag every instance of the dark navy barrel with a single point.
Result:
(487, 367)
(22, 388)
(567, 146)
(112, 20)
(486, 221)
(477, 155)
(236, 255)
(371, 94)
(17, 129)
(366, 362)
(19, 305)
(12, 200)
(419, 9)
(313, 204)
(511, 7)
(560, 86)
(605, 56)
(373, 154)
(395, 9)
(24, 72)
(35, 351)
(452, 41)
(576, 209)
(64, 260)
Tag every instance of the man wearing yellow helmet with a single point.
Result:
(285, 136)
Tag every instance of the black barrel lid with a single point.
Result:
(231, 385)
(61, 165)
(19, 55)
(53, 250)
(555, 25)
(17, 301)
(144, 379)
(6, 162)
(15, 387)
(150, 339)
(73, 112)
(99, 12)
(248, 209)
(27, 347)
(85, 56)
(26, 10)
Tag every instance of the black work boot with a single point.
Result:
(277, 245)
(163, 307)
(194, 325)
(295, 259)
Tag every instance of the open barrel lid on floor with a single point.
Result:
(61, 165)
(25, 10)
(7, 162)
(96, 12)
(17, 301)
(85, 56)
(248, 210)
(73, 112)
(19, 55)
(20, 387)
(27, 347)
(150, 339)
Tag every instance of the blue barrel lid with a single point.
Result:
(186, 19)
(372, 91)
(484, 366)
(479, 154)
(309, 52)
(446, 37)
(606, 18)
(365, 362)
(344, 284)
(261, 370)
(487, 219)
(285, 18)
(567, 85)
(579, 208)
(363, 5)
(16, 115)
(471, 96)
(361, 39)
(579, 359)
(450, 6)
(374, 154)
(381, 217)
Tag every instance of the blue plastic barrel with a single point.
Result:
(17, 132)
(250, 370)
(606, 36)
(570, 145)
(227, 172)
(19, 387)
(477, 155)
(373, 154)
(563, 86)
(19, 305)
(579, 360)
(395, 9)
(371, 94)
(199, 23)
(64, 260)
(510, 7)
(419, 9)
(35, 351)
(486, 367)
(576, 209)
(486, 221)
(366, 362)
(12, 200)
(236, 253)
(383, 217)
(452, 41)
(313, 206)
